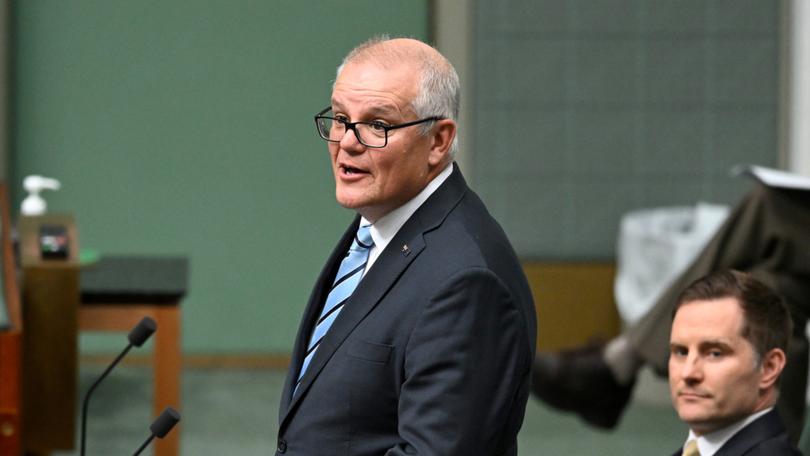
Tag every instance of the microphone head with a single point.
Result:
(165, 422)
(142, 331)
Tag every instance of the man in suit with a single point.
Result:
(766, 235)
(727, 350)
(419, 334)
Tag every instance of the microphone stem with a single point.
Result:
(90, 391)
(145, 444)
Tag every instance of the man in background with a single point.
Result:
(727, 351)
(419, 334)
(766, 235)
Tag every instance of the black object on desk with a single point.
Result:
(134, 279)
(53, 242)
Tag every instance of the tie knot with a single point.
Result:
(691, 449)
(363, 237)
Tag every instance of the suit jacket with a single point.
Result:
(432, 353)
(766, 436)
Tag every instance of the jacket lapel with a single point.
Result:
(385, 272)
(316, 300)
(765, 427)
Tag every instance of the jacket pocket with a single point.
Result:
(369, 351)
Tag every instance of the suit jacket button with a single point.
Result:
(282, 446)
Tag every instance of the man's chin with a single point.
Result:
(701, 422)
(348, 202)
(353, 202)
(689, 413)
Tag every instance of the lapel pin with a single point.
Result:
(406, 250)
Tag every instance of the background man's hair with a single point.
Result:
(766, 321)
(439, 92)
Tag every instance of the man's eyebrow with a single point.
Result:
(378, 110)
(677, 346)
(714, 343)
(711, 343)
(382, 110)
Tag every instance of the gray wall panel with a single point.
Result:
(588, 109)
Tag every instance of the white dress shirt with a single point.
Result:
(709, 444)
(384, 229)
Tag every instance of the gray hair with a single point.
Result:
(439, 92)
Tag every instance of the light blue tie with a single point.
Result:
(346, 280)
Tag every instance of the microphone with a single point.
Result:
(160, 427)
(136, 337)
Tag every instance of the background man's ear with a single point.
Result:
(772, 365)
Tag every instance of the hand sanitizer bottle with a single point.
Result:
(34, 204)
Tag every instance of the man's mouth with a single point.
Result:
(350, 170)
(692, 395)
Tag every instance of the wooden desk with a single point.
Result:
(50, 302)
(117, 292)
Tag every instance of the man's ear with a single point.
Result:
(441, 138)
(772, 365)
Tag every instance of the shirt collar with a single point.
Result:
(387, 226)
(709, 444)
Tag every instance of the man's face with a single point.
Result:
(714, 376)
(375, 181)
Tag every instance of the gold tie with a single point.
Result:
(691, 449)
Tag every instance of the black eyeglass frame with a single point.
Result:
(351, 126)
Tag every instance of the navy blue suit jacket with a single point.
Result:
(766, 436)
(432, 353)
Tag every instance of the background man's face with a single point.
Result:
(375, 181)
(713, 372)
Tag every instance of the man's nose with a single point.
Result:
(692, 368)
(350, 142)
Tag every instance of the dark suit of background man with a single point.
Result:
(431, 354)
(727, 350)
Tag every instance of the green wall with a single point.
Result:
(185, 128)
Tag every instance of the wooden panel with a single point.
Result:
(573, 301)
(50, 297)
(10, 394)
(10, 342)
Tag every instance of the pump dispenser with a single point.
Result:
(34, 204)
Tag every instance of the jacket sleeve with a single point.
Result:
(467, 366)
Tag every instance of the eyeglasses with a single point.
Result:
(370, 134)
